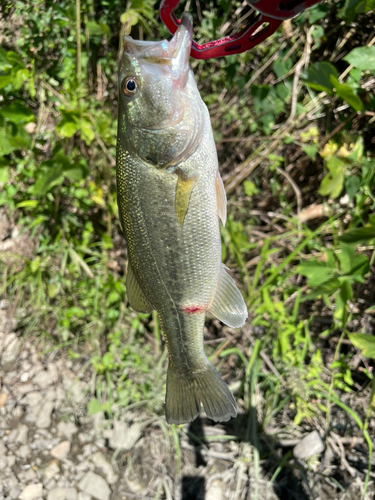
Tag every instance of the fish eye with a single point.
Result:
(130, 86)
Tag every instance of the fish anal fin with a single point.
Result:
(228, 305)
(135, 294)
(184, 188)
(221, 199)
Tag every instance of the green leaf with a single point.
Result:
(347, 93)
(76, 173)
(19, 77)
(318, 76)
(96, 407)
(341, 301)
(18, 137)
(316, 272)
(250, 188)
(353, 7)
(352, 185)
(14, 59)
(68, 126)
(5, 80)
(17, 113)
(98, 29)
(360, 234)
(281, 67)
(130, 17)
(87, 132)
(46, 181)
(362, 58)
(364, 342)
(27, 204)
(5, 65)
(5, 146)
(333, 182)
(317, 12)
(346, 257)
(4, 174)
(311, 150)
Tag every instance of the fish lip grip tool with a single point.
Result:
(272, 12)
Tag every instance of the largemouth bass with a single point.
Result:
(170, 198)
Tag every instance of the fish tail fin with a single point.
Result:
(184, 394)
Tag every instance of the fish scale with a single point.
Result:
(168, 205)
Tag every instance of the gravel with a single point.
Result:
(50, 449)
(95, 485)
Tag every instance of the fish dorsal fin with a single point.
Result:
(221, 199)
(135, 294)
(228, 305)
(184, 188)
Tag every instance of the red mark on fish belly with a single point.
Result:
(193, 309)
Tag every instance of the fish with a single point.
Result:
(170, 199)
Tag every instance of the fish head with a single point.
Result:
(156, 85)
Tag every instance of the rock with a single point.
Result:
(216, 490)
(308, 446)
(44, 418)
(62, 494)
(95, 485)
(102, 463)
(32, 491)
(66, 429)
(24, 389)
(43, 379)
(3, 449)
(14, 493)
(135, 485)
(23, 431)
(3, 462)
(53, 372)
(12, 350)
(32, 399)
(50, 485)
(73, 386)
(24, 377)
(17, 412)
(51, 471)
(61, 450)
(29, 475)
(123, 436)
(24, 451)
(84, 496)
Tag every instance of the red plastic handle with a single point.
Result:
(272, 12)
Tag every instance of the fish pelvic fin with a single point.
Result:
(184, 188)
(135, 294)
(184, 394)
(228, 304)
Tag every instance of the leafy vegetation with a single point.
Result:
(294, 125)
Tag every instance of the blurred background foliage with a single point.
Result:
(294, 124)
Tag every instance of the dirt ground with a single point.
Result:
(51, 449)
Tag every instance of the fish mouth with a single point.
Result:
(171, 56)
(158, 60)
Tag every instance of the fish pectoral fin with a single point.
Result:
(184, 188)
(135, 294)
(228, 305)
(221, 199)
